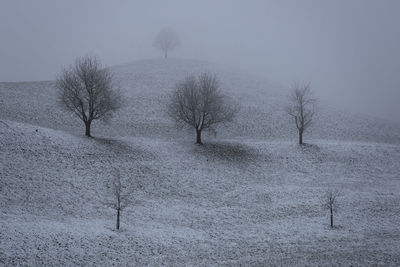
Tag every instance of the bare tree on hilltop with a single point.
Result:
(198, 103)
(166, 40)
(301, 107)
(86, 89)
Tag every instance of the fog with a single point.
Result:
(348, 50)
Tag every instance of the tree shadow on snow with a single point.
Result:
(230, 152)
(122, 148)
(309, 148)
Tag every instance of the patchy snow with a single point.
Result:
(250, 196)
(146, 85)
(229, 202)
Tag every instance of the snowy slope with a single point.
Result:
(250, 196)
(228, 202)
(146, 85)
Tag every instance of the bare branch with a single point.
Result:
(301, 107)
(86, 89)
(330, 202)
(199, 103)
(166, 40)
(121, 192)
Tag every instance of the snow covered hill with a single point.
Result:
(250, 196)
(227, 202)
(146, 85)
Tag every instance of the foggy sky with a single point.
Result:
(348, 49)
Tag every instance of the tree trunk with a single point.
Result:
(87, 124)
(198, 137)
(331, 219)
(300, 137)
(118, 214)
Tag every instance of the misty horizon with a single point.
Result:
(348, 50)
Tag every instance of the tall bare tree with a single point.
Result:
(166, 40)
(200, 104)
(301, 107)
(86, 89)
(330, 202)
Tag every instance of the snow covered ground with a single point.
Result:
(226, 203)
(250, 196)
(146, 84)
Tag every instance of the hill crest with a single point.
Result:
(146, 85)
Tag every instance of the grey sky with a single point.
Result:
(348, 49)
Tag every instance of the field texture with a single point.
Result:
(249, 196)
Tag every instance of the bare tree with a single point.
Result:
(199, 103)
(122, 195)
(330, 202)
(87, 90)
(166, 40)
(301, 107)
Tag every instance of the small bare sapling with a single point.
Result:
(121, 193)
(330, 202)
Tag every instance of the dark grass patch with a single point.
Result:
(119, 147)
(229, 152)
